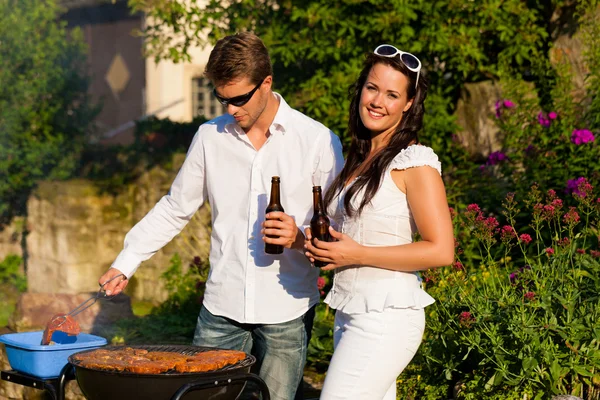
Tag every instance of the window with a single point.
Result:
(203, 101)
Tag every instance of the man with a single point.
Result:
(252, 300)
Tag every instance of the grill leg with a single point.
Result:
(67, 374)
(192, 386)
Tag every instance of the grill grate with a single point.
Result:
(174, 348)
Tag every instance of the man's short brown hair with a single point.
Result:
(238, 56)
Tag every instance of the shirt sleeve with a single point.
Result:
(170, 215)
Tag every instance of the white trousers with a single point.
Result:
(371, 350)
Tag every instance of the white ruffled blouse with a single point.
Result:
(385, 221)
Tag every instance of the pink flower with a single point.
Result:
(320, 282)
(557, 203)
(552, 115)
(500, 104)
(466, 315)
(473, 208)
(564, 242)
(507, 233)
(526, 238)
(571, 216)
(595, 253)
(548, 211)
(550, 251)
(581, 136)
(496, 157)
(452, 212)
(529, 295)
(466, 318)
(543, 121)
(490, 223)
(458, 266)
(579, 187)
(581, 251)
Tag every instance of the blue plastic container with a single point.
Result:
(26, 354)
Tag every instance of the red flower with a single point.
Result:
(548, 211)
(550, 251)
(320, 283)
(529, 295)
(581, 251)
(473, 208)
(452, 212)
(458, 266)
(526, 238)
(507, 233)
(571, 216)
(557, 203)
(466, 318)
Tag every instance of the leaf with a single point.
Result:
(581, 370)
(529, 363)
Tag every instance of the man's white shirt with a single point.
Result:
(223, 167)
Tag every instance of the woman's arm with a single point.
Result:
(426, 196)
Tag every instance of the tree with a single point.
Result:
(45, 111)
(317, 46)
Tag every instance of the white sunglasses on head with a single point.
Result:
(409, 60)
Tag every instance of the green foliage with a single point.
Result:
(157, 140)
(320, 348)
(317, 46)
(523, 319)
(539, 129)
(45, 113)
(174, 320)
(10, 272)
(590, 32)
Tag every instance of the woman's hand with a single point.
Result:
(338, 253)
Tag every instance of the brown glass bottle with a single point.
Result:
(319, 223)
(274, 205)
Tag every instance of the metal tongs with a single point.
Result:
(88, 303)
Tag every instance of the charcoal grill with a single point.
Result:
(222, 384)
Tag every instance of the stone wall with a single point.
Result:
(76, 232)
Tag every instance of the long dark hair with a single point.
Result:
(360, 146)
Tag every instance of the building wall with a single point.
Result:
(116, 65)
(169, 85)
(129, 86)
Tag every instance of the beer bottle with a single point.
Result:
(274, 205)
(319, 223)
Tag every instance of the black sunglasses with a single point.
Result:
(237, 101)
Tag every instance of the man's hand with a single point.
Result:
(284, 228)
(115, 286)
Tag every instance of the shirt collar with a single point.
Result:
(281, 122)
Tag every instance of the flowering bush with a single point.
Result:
(521, 317)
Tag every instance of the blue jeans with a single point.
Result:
(280, 349)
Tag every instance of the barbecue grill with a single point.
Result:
(223, 384)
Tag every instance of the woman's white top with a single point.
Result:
(385, 221)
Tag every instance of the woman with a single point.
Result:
(389, 188)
